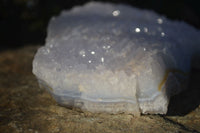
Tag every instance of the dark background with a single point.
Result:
(24, 22)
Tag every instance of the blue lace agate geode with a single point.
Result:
(112, 58)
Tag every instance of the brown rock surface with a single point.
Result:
(26, 108)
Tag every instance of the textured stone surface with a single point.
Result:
(26, 108)
(115, 58)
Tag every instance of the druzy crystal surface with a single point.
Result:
(103, 57)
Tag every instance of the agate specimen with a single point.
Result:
(103, 57)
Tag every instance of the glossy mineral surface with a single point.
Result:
(115, 58)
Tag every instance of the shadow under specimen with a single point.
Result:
(189, 99)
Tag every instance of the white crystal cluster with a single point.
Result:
(111, 58)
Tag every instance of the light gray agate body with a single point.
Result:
(111, 58)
